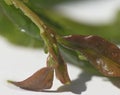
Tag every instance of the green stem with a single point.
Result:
(30, 14)
(47, 34)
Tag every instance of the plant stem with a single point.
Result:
(46, 33)
(30, 14)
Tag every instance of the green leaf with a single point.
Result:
(60, 24)
(23, 23)
(13, 35)
(46, 3)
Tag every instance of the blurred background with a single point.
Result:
(90, 11)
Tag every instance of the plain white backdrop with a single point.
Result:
(17, 63)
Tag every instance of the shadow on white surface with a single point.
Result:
(77, 86)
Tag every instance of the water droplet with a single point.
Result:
(23, 30)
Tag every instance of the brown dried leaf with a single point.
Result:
(104, 55)
(60, 68)
(62, 72)
(42, 79)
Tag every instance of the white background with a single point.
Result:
(17, 63)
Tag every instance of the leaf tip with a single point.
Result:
(67, 83)
(10, 81)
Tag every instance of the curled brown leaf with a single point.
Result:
(104, 55)
(60, 68)
(42, 79)
(62, 73)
